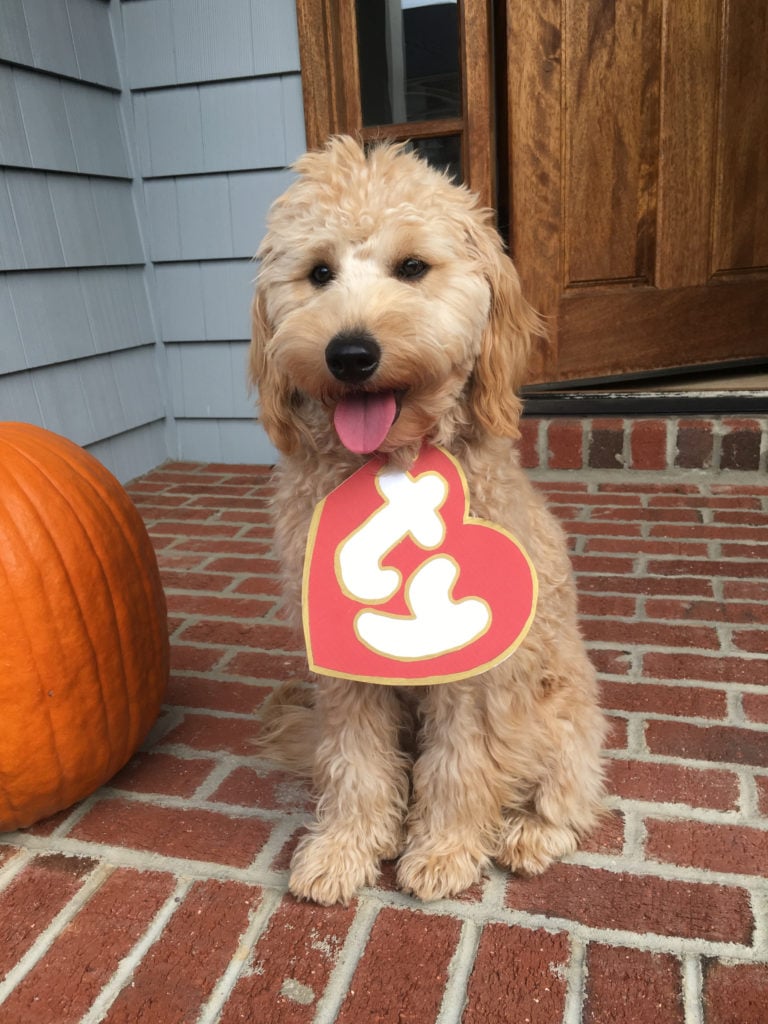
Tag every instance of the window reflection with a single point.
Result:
(409, 60)
(444, 153)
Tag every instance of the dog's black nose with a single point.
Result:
(352, 356)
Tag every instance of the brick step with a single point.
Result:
(657, 445)
(162, 898)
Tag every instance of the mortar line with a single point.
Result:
(253, 932)
(692, 986)
(576, 982)
(48, 936)
(459, 973)
(340, 980)
(135, 955)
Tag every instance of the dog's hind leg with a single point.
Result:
(456, 811)
(362, 778)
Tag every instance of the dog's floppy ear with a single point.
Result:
(275, 412)
(506, 347)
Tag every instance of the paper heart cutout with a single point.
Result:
(403, 587)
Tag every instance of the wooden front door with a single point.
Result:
(638, 158)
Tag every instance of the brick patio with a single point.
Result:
(162, 898)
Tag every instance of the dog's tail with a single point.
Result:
(288, 728)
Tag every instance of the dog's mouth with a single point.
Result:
(364, 418)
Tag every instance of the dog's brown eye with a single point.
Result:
(321, 274)
(412, 268)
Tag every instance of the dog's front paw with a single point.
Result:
(330, 869)
(432, 874)
(530, 845)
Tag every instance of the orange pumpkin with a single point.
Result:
(83, 634)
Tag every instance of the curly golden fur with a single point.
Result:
(504, 766)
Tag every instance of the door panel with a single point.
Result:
(639, 180)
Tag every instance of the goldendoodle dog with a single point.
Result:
(388, 317)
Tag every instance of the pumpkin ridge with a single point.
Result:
(20, 541)
(84, 611)
(99, 486)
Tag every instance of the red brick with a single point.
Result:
(564, 441)
(518, 975)
(251, 549)
(232, 501)
(670, 783)
(663, 485)
(722, 669)
(236, 607)
(735, 993)
(190, 834)
(612, 501)
(694, 444)
(652, 586)
(574, 488)
(162, 512)
(697, 844)
(61, 987)
(606, 444)
(617, 734)
(697, 500)
(708, 611)
(206, 732)
(528, 443)
(185, 579)
(641, 546)
(259, 585)
(690, 516)
(290, 965)
(761, 782)
(745, 590)
(152, 772)
(215, 694)
(708, 567)
(740, 447)
(603, 529)
(178, 973)
(609, 662)
(607, 837)
(631, 986)
(753, 640)
(710, 532)
(270, 636)
(278, 667)
(664, 700)
(275, 790)
(607, 899)
(718, 743)
(607, 605)
(604, 565)
(735, 518)
(185, 658)
(388, 986)
(755, 706)
(654, 634)
(266, 566)
(188, 528)
(648, 444)
(744, 549)
(33, 898)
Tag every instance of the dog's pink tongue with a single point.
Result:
(363, 420)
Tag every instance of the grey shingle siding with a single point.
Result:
(141, 144)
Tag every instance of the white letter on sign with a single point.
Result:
(438, 624)
(410, 508)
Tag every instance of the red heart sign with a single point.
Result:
(402, 586)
